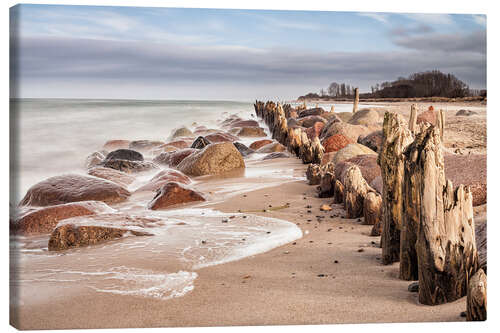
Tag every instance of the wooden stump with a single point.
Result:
(372, 208)
(412, 124)
(338, 196)
(355, 190)
(396, 137)
(446, 247)
(476, 297)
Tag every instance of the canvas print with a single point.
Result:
(213, 167)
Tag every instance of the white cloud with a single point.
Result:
(376, 16)
(480, 19)
(431, 19)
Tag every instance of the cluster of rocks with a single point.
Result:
(80, 210)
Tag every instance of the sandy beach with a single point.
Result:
(333, 274)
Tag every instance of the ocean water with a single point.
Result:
(52, 136)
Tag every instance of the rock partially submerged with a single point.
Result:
(214, 159)
(181, 132)
(44, 220)
(125, 154)
(173, 193)
(116, 144)
(94, 159)
(163, 177)
(221, 137)
(251, 132)
(244, 150)
(144, 145)
(260, 143)
(273, 147)
(275, 155)
(200, 143)
(129, 166)
(73, 188)
(172, 159)
(95, 229)
(115, 176)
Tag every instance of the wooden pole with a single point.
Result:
(356, 100)
(413, 118)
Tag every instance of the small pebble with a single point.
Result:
(294, 243)
(225, 220)
(336, 261)
(330, 229)
(308, 210)
(463, 314)
(286, 252)
(361, 250)
(268, 232)
(203, 242)
(322, 275)
(413, 287)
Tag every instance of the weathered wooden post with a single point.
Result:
(396, 137)
(332, 109)
(446, 246)
(476, 297)
(412, 124)
(440, 122)
(356, 100)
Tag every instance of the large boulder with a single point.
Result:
(372, 140)
(244, 150)
(129, 166)
(260, 143)
(118, 177)
(468, 170)
(315, 130)
(367, 164)
(125, 154)
(172, 159)
(377, 184)
(335, 143)
(95, 229)
(273, 147)
(173, 193)
(311, 112)
(200, 143)
(344, 116)
(352, 132)
(351, 150)
(43, 220)
(365, 117)
(310, 121)
(428, 116)
(116, 144)
(163, 177)
(251, 132)
(465, 113)
(181, 132)
(214, 159)
(72, 188)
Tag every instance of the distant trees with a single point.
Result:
(424, 84)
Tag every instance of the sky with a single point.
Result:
(214, 54)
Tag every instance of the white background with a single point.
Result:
(421, 6)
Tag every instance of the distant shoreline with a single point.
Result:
(412, 99)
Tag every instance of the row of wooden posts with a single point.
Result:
(427, 224)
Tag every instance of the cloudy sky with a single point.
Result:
(167, 53)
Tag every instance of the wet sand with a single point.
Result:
(298, 283)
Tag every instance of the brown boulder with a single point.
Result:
(311, 112)
(251, 131)
(173, 194)
(315, 130)
(214, 159)
(181, 132)
(163, 177)
(72, 188)
(351, 150)
(96, 229)
(468, 170)
(367, 163)
(94, 159)
(172, 159)
(352, 132)
(260, 143)
(121, 178)
(428, 116)
(377, 184)
(335, 142)
(372, 140)
(365, 117)
(45, 219)
(178, 144)
(273, 147)
(310, 121)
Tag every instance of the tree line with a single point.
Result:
(423, 84)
